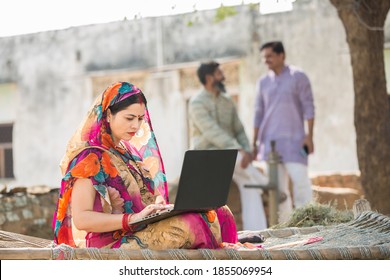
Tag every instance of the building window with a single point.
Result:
(6, 154)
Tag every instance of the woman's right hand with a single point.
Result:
(151, 208)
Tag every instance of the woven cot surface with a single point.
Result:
(365, 237)
(16, 240)
(368, 229)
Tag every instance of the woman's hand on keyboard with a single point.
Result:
(160, 200)
(151, 208)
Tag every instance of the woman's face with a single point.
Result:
(124, 124)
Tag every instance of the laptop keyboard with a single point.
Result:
(155, 214)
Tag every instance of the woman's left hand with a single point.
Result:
(160, 200)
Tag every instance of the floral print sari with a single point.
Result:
(126, 180)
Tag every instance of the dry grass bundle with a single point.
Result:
(316, 214)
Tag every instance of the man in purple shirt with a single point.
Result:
(284, 104)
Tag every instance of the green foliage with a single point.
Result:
(224, 12)
(316, 214)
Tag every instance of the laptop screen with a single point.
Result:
(205, 179)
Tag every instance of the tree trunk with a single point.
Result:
(364, 22)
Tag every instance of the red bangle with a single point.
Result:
(125, 222)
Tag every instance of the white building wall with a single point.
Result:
(9, 96)
(167, 111)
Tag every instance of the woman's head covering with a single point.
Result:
(94, 131)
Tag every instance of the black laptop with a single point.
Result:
(204, 183)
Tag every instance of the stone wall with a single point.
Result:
(337, 189)
(28, 211)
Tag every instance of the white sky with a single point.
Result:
(29, 16)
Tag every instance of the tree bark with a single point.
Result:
(364, 22)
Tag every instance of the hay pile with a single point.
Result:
(316, 214)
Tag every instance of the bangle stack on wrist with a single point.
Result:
(125, 222)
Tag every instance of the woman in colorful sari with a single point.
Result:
(113, 174)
